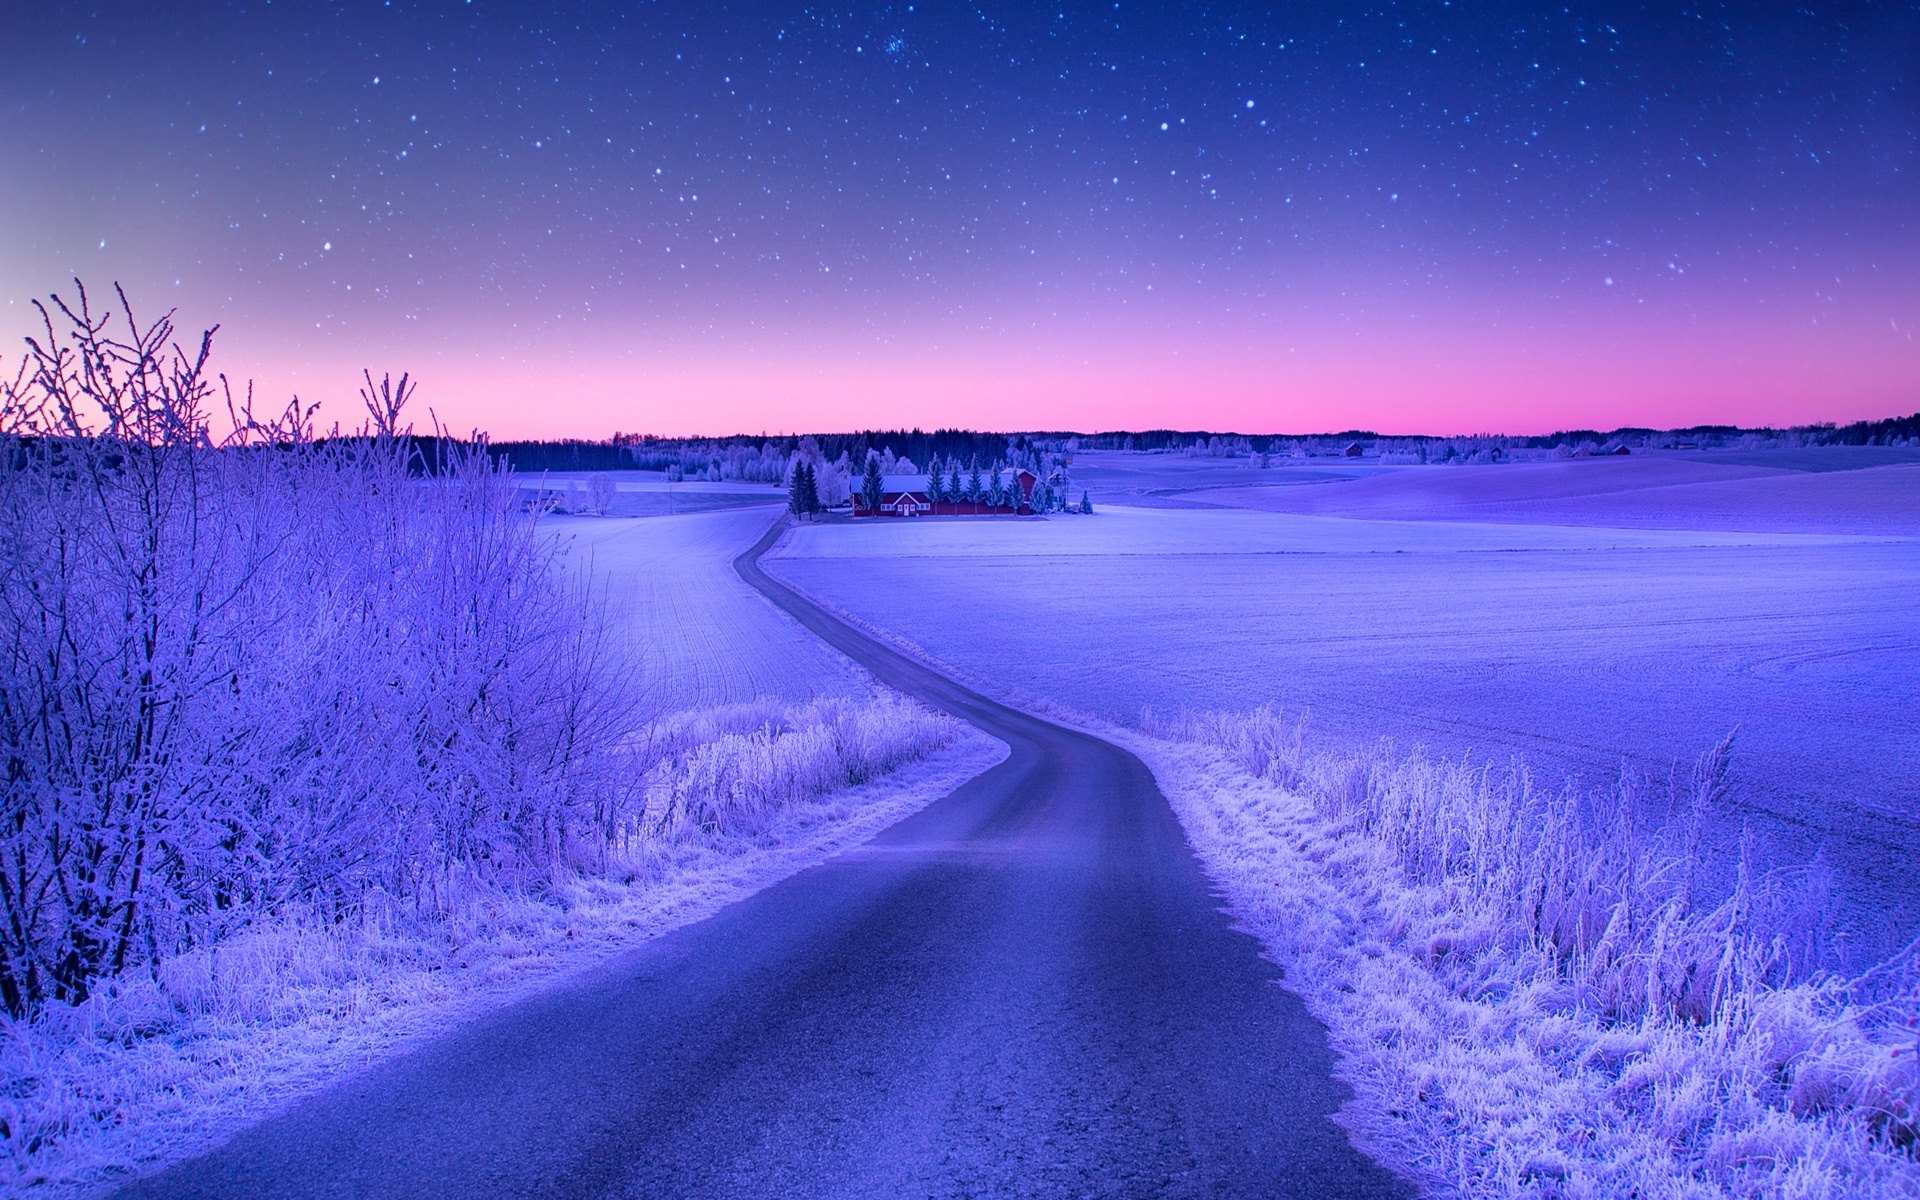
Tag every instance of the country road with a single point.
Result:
(1026, 989)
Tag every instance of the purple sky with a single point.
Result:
(570, 219)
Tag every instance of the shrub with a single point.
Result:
(246, 673)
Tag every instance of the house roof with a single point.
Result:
(918, 483)
(893, 484)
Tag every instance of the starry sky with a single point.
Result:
(701, 217)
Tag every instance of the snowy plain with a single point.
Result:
(1853, 489)
(1576, 647)
(700, 635)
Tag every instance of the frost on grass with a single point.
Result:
(157, 1064)
(1534, 993)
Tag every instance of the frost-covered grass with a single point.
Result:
(1532, 992)
(734, 769)
(161, 1063)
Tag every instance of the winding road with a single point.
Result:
(1026, 989)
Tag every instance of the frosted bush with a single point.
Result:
(253, 676)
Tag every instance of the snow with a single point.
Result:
(648, 493)
(1756, 493)
(1575, 647)
(703, 637)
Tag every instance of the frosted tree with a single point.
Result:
(835, 482)
(600, 493)
(872, 484)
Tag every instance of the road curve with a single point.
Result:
(1026, 989)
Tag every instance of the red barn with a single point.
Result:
(910, 496)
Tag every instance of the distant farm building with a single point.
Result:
(912, 496)
(541, 501)
(1354, 450)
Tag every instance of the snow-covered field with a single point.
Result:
(702, 637)
(644, 493)
(1576, 647)
(1860, 489)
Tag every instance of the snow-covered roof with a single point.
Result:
(918, 483)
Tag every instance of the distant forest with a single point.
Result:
(764, 458)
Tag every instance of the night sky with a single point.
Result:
(570, 219)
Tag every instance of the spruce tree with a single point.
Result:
(1086, 502)
(796, 504)
(935, 492)
(973, 485)
(872, 487)
(810, 489)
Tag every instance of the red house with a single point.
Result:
(909, 496)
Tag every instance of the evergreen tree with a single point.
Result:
(973, 484)
(810, 493)
(803, 490)
(955, 488)
(1086, 502)
(872, 486)
(796, 503)
(935, 492)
